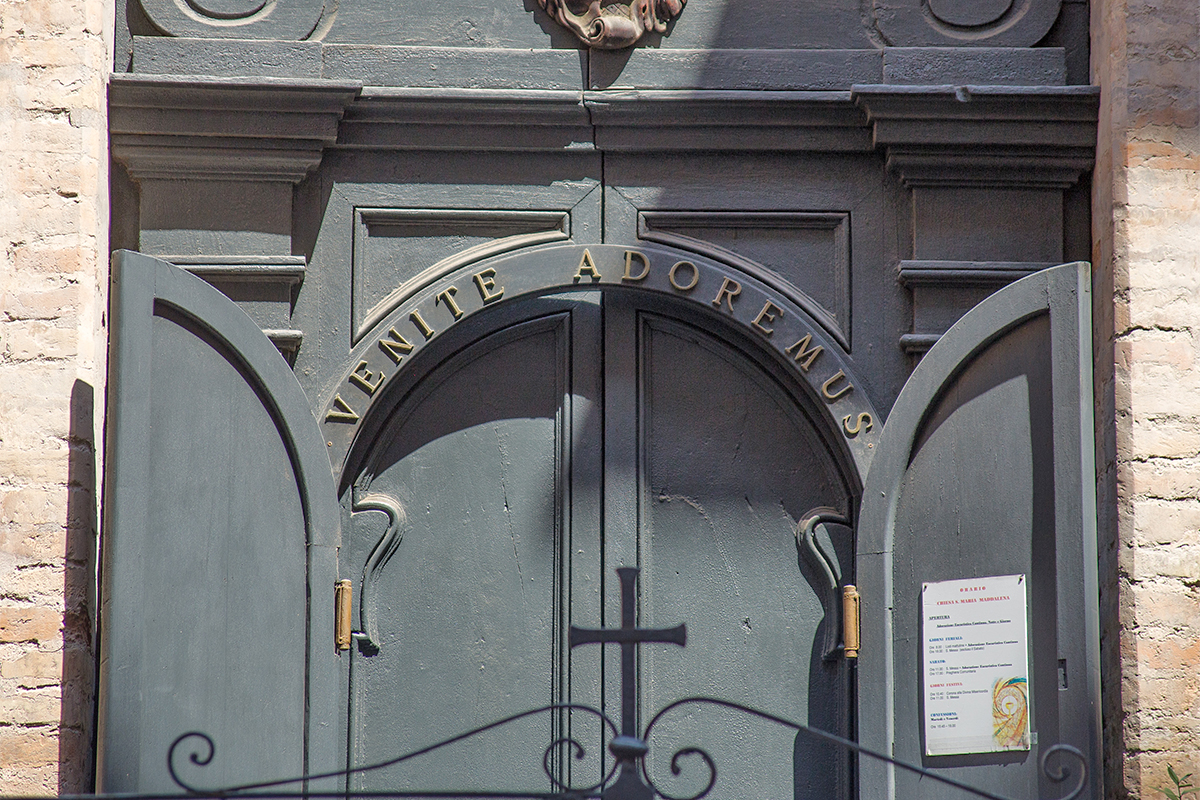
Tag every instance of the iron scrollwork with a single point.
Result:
(812, 552)
(627, 778)
(1053, 764)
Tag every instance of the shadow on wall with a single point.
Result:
(76, 742)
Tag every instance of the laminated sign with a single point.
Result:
(976, 666)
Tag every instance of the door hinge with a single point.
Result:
(850, 603)
(343, 595)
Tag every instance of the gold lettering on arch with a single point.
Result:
(729, 290)
(770, 312)
(862, 424)
(485, 281)
(588, 265)
(365, 379)
(630, 255)
(395, 345)
(447, 296)
(827, 385)
(422, 325)
(637, 265)
(339, 411)
(803, 351)
(672, 276)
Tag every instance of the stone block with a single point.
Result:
(1167, 478)
(48, 543)
(1179, 562)
(39, 583)
(1171, 604)
(1158, 436)
(33, 506)
(37, 780)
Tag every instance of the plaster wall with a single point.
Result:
(54, 63)
(1146, 230)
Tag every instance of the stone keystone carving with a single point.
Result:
(614, 25)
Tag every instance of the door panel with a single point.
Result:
(470, 607)
(534, 462)
(985, 468)
(731, 465)
(220, 524)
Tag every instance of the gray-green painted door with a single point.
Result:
(985, 467)
(560, 439)
(221, 521)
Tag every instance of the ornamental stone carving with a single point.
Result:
(613, 26)
(286, 20)
(964, 23)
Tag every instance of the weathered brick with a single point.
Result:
(29, 624)
(34, 506)
(28, 747)
(30, 707)
(34, 669)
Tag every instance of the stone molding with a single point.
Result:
(1043, 136)
(276, 129)
(266, 129)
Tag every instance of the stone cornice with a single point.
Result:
(267, 129)
(466, 119)
(632, 120)
(273, 129)
(987, 135)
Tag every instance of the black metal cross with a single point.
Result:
(629, 637)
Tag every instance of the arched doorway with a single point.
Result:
(537, 446)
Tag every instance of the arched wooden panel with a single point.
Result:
(221, 525)
(985, 468)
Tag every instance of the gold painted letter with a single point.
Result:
(421, 324)
(363, 377)
(395, 345)
(485, 281)
(630, 255)
(447, 297)
(586, 264)
(770, 312)
(340, 412)
(729, 290)
(672, 276)
(803, 352)
(863, 424)
(827, 385)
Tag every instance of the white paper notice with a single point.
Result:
(976, 666)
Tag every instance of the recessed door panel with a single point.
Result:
(731, 466)
(468, 609)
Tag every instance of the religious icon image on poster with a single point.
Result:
(976, 666)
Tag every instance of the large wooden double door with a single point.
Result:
(522, 456)
(557, 439)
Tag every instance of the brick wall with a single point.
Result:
(54, 60)
(1147, 239)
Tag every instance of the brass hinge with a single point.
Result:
(343, 595)
(850, 601)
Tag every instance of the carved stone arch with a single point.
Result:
(788, 325)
